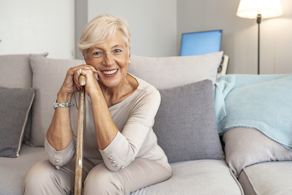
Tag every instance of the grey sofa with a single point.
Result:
(202, 168)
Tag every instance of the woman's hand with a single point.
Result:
(91, 75)
(71, 84)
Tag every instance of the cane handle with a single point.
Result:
(82, 80)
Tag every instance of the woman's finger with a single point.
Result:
(76, 76)
(84, 70)
(96, 76)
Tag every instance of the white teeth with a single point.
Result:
(110, 72)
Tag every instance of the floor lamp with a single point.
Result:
(258, 9)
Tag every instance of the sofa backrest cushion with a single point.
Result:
(185, 123)
(168, 72)
(48, 77)
(16, 73)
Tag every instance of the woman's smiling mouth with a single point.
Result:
(110, 73)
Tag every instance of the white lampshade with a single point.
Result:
(251, 8)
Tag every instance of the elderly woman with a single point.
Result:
(121, 154)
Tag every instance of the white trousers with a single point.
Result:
(45, 179)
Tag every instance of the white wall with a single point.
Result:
(152, 23)
(81, 16)
(240, 35)
(36, 26)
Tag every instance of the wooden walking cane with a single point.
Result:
(79, 142)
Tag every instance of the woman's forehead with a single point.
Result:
(102, 47)
(117, 40)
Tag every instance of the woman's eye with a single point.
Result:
(97, 53)
(117, 50)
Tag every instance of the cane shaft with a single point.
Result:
(79, 141)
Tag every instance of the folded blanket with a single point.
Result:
(263, 102)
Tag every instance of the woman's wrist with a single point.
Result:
(63, 97)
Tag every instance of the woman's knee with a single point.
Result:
(44, 178)
(101, 181)
(39, 176)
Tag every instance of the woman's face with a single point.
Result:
(111, 59)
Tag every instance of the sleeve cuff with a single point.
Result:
(109, 154)
(60, 158)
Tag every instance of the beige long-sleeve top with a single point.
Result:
(134, 117)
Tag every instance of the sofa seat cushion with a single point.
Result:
(271, 178)
(200, 177)
(13, 170)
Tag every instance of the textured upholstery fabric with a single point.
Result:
(202, 177)
(16, 73)
(171, 72)
(185, 123)
(48, 77)
(271, 178)
(14, 109)
(245, 147)
(13, 171)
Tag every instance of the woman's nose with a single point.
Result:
(108, 59)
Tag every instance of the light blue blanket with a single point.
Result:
(262, 102)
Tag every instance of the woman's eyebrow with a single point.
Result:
(117, 46)
(97, 48)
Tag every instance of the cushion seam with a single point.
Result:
(236, 181)
(250, 181)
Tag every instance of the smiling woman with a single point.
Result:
(111, 58)
(120, 145)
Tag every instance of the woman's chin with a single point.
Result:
(109, 84)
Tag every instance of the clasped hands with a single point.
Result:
(71, 84)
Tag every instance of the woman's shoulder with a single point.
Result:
(144, 86)
(146, 101)
(146, 91)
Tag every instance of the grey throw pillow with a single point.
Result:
(185, 123)
(14, 109)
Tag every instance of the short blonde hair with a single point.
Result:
(101, 29)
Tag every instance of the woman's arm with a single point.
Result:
(60, 134)
(59, 143)
(105, 128)
(59, 139)
(122, 148)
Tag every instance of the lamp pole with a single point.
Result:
(259, 9)
(259, 18)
